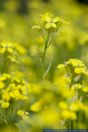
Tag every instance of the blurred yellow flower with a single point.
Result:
(63, 105)
(36, 107)
(74, 106)
(2, 85)
(66, 114)
(6, 96)
(85, 89)
(61, 66)
(5, 76)
(80, 70)
(50, 117)
(5, 104)
(20, 113)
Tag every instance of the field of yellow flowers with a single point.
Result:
(43, 65)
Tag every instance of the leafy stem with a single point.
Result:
(46, 46)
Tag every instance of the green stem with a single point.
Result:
(44, 53)
(71, 122)
(71, 125)
(45, 49)
(5, 63)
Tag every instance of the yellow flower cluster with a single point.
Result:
(75, 70)
(20, 112)
(11, 50)
(50, 23)
(77, 66)
(73, 84)
(13, 87)
(68, 110)
(80, 87)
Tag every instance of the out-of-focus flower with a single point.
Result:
(5, 105)
(20, 112)
(66, 114)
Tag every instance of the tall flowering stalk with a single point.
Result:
(13, 87)
(76, 72)
(48, 26)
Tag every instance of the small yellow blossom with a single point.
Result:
(20, 113)
(15, 94)
(76, 63)
(50, 23)
(6, 96)
(50, 117)
(20, 49)
(79, 70)
(5, 105)
(2, 85)
(63, 105)
(66, 114)
(36, 107)
(77, 86)
(5, 76)
(74, 106)
(61, 66)
(85, 89)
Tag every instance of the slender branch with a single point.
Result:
(48, 69)
(43, 37)
(45, 49)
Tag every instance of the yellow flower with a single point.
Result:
(6, 96)
(81, 105)
(35, 88)
(10, 50)
(68, 93)
(56, 19)
(20, 49)
(46, 17)
(50, 117)
(5, 76)
(23, 97)
(15, 94)
(85, 89)
(13, 86)
(2, 85)
(61, 66)
(20, 113)
(79, 70)
(63, 105)
(74, 106)
(50, 25)
(75, 63)
(77, 86)
(36, 107)
(7, 46)
(60, 20)
(2, 50)
(73, 116)
(66, 114)
(50, 22)
(5, 104)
